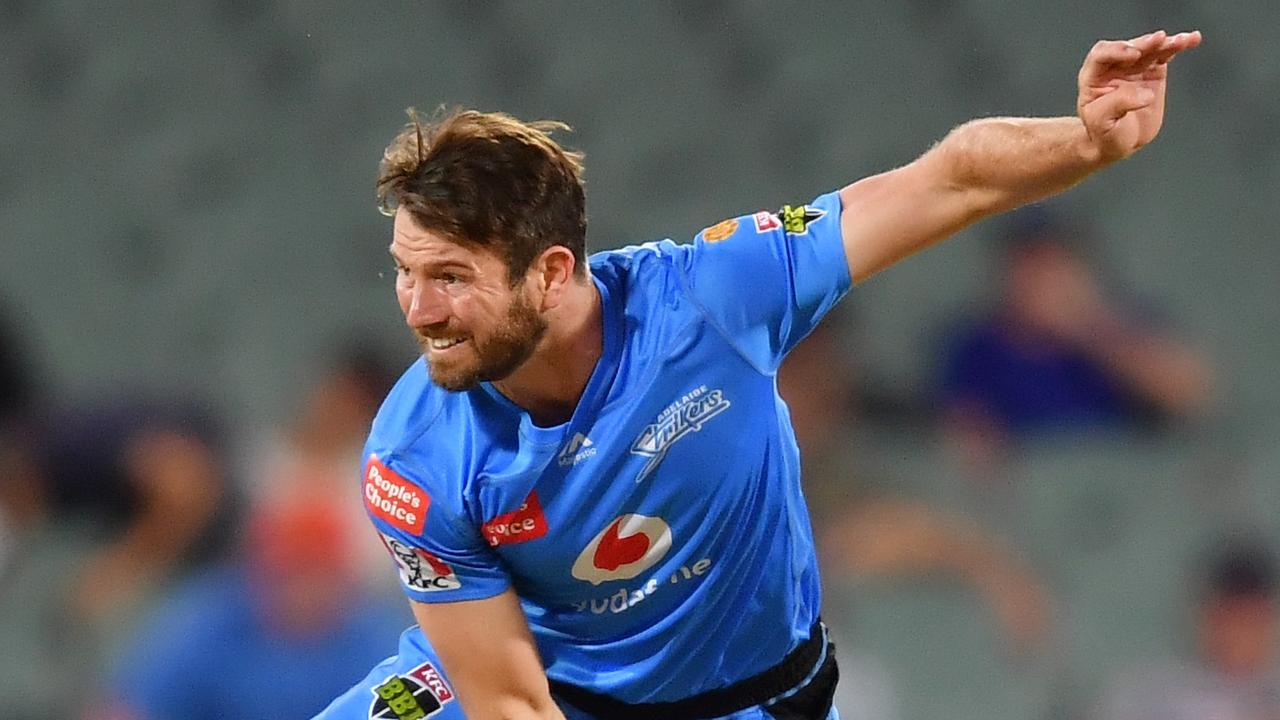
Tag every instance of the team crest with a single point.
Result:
(720, 231)
(418, 694)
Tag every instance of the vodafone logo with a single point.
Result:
(626, 547)
(394, 499)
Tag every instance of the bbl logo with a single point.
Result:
(419, 694)
(796, 219)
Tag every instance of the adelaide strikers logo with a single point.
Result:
(418, 694)
(627, 547)
(684, 416)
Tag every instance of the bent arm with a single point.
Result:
(981, 168)
(489, 654)
(993, 165)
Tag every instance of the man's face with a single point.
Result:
(1238, 633)
(471, 324)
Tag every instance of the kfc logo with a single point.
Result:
(766, 222)
(419, 569)
(394, 499)
(629, 545)
(527, 523)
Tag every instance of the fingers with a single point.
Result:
(1104, 112)
(1175, 44)
(1159, 47)
(1108, 57)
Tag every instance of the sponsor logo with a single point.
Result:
(418, 694)
(766, 221)
(394, 499)
(626, 598)
(795, 219)
(579, 448)
(525, 524)
(629, 545)
(686, 415)
(720, 231)
(419, 569)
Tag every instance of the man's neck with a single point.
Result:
(550, 383)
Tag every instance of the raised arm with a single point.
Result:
(490, 656)
(993, 165)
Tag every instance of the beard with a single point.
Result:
(491, 357)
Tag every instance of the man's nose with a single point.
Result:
(428, 305)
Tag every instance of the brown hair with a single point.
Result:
(488, 179)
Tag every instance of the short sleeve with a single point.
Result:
(439, 555)
(767, 279)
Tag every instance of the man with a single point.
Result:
(275, 632)
(1234, 675)
(1059, 355)
(591, 479)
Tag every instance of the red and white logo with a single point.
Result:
(766, 221)
(629, 545)
(527, 523)
(419, 569)
(428, 675)
(394, 499)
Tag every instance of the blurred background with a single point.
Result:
(1043, 457)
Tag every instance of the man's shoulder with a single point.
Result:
(412, 406)
(650, 281)
(638, 262)
(419, 420)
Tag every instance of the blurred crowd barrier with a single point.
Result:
(1042, 458)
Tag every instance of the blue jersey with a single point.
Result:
(408, 686)
(658, 540)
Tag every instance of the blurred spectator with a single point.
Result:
(319, 452)
(278, 633)
(867, 533)
(102, 505)
(147, 477)
(98, 504)
(21, 503)
(1234, 674)
(1059, 354)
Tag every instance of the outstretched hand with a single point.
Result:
(1122, 87)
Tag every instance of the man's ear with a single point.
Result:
(553, 273)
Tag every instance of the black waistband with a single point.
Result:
(755, 690)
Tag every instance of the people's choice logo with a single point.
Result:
(524, 524)
(394, 499)
(627, 547)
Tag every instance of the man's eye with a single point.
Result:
(449, 278)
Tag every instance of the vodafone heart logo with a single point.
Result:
(626, 547)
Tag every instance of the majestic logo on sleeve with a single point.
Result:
(796, 219)
(525, 524)
(394, 499)
(419, 569)
(629, 545)
(686, 415)
(418, 694)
